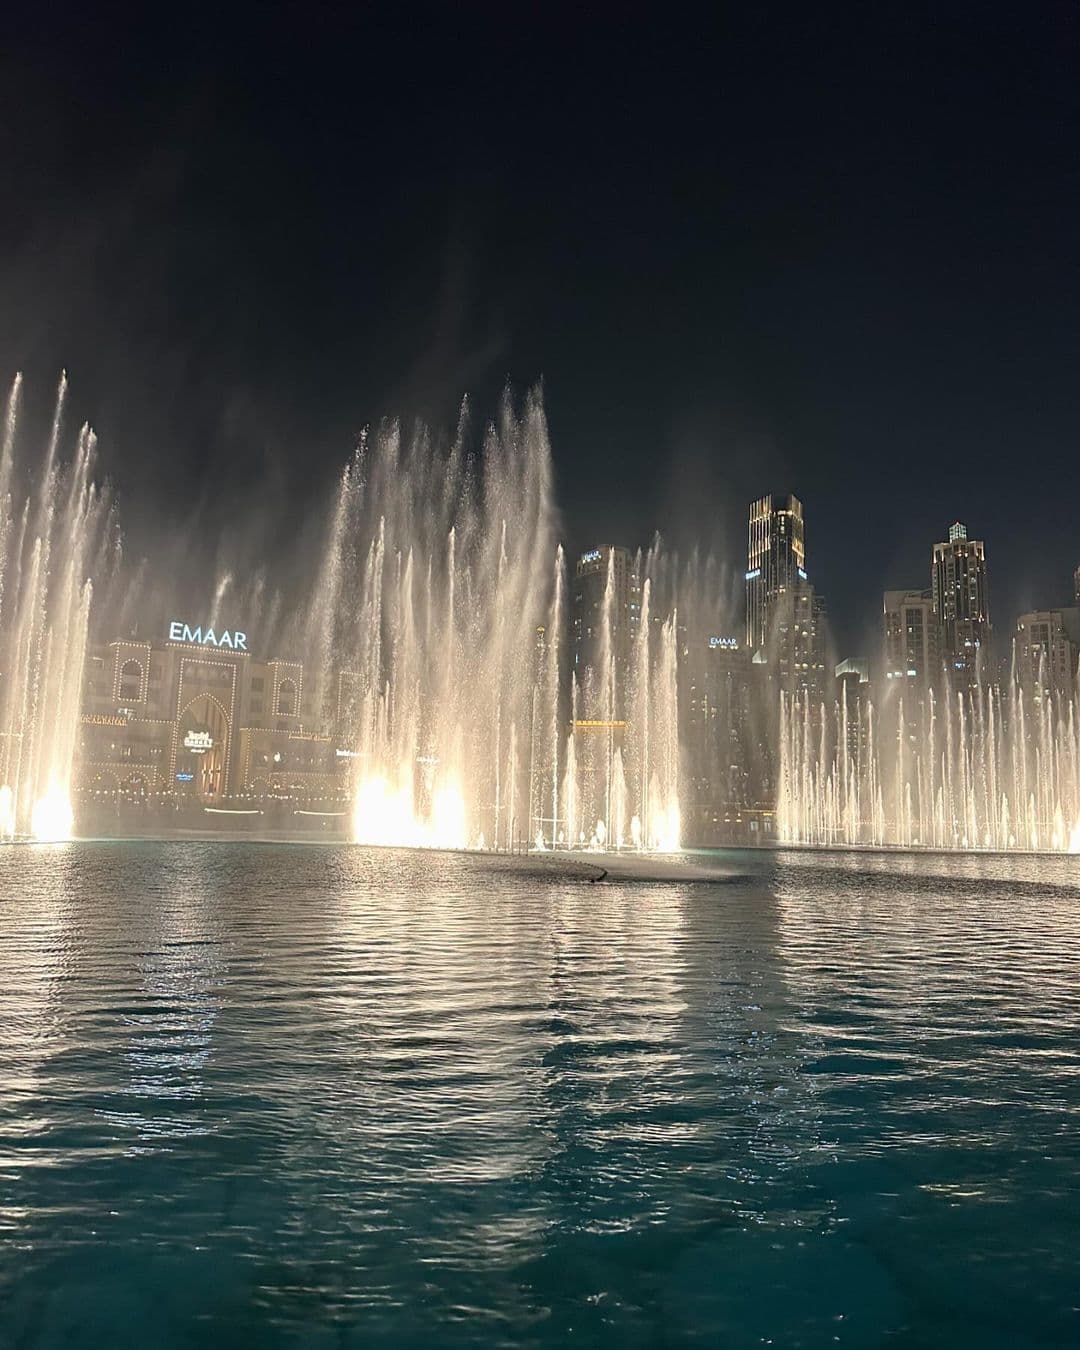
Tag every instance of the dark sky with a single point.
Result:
(807, 248)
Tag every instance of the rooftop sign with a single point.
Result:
(206, 637)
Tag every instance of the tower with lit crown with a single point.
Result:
(962, 605)
(604, 617)
(775, 561)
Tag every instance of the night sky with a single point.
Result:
(814, 249)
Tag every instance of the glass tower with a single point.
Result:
(775, 561)
(962, 604)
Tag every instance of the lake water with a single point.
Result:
(281, 1096)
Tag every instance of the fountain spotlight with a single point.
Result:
(52, 820)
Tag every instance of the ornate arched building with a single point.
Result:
(207, 721)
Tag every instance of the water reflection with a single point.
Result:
(164, 1020)
(404, 1096)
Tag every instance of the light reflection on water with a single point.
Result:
(282, 1095)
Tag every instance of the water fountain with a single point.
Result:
(625, 763)
(442, 596)
(52, 533)
(982, 768)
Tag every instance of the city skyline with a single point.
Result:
(195, 715)
(743, 585)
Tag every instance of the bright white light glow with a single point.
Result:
(1074, 839)
(7, 812)
(667, 830)
(52, 819)
(383, 814)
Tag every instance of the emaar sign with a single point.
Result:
(206, 637)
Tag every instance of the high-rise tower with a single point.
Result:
(605, 614)
(962, 605)
(911, 657)
(775, 561)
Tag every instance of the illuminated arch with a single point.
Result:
(286, 702)
(131, 673)
(205, 713)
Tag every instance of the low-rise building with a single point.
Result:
(195, 715)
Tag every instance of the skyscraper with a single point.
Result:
(852, 695)
(727, 763)
(775, 560)
(605, 615)
(797, 646)
(911, 656)
(1076, 585)
(962, 605)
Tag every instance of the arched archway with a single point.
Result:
(130, 684)
(202, 748)
(286, 699)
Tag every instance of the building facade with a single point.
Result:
(911, 660)
(775, 561)
(852, 697)
(193, 715)
(797, 645)
(605, 616)
(961, 600)
(1047, 652)
(729, 765)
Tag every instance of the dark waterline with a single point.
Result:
(280, 1095)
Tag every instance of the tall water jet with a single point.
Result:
(52, 533)
(624, 728)
(442, 603)
(966, 768)
(435, 598)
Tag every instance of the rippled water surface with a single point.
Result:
(274, 1096)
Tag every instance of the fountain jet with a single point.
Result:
(52, 535)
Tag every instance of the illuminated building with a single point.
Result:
(911, 659)
(1047, 652)
(1076, 585)
(727, 785)
(775, 561)
(605, 616)
(962, 606)
(195, 717)
(852, 693)
(854, 667)
(796, 645)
